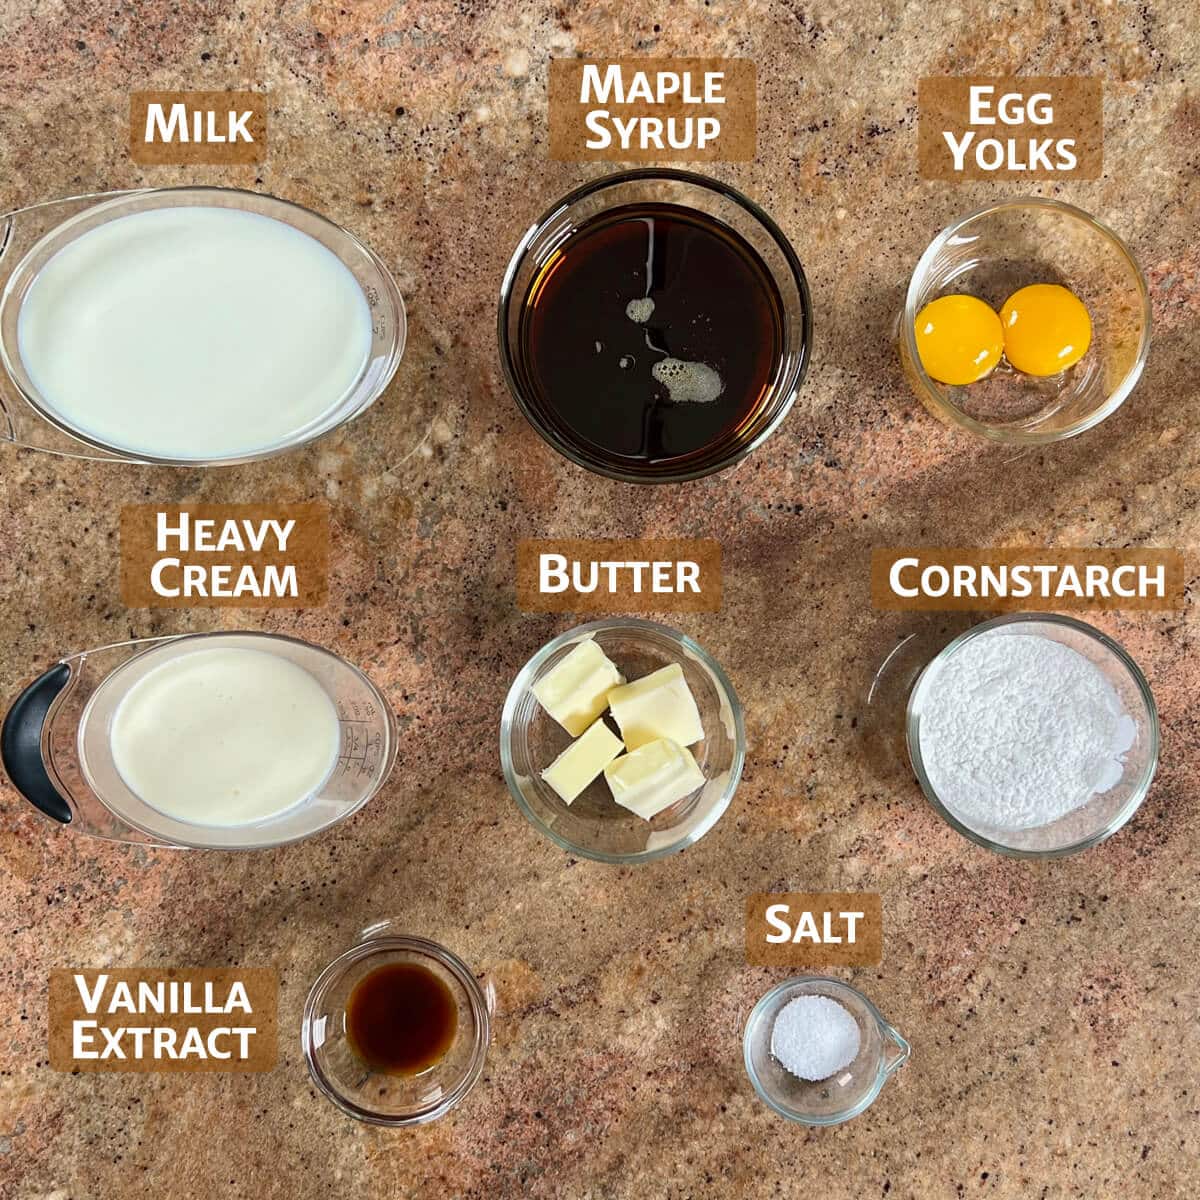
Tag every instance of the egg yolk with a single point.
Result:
(1046, 329)
(959, 339)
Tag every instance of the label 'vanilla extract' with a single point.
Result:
(650, 338)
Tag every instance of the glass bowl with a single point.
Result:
(729, 207)
(1105, 812)
(992, 253)
(373, 1096)
(882, 1051)
(595, 826)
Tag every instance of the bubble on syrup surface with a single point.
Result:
(640, 310)
(688, 382)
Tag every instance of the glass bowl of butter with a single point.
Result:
(622, 740)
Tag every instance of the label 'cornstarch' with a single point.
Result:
(1014, 578)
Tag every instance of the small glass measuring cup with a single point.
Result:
(30, 236)
(56, 751)
(376, 1097)
(882, 1051)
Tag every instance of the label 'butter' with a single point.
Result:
(619, 575)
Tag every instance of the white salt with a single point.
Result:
(815, 1037)
(1018, 730)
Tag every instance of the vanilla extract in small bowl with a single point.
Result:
(401, 1018)
(396, 1029)
(655, 326)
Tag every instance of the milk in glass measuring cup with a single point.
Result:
(191, 326)
(230, 741)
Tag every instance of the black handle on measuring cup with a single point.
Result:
(21, 743)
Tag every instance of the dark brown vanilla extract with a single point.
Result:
(401, 1019)
(651, 336)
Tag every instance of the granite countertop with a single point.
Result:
(1052, 1007)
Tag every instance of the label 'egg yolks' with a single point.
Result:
(1046, 329)
(959, 339)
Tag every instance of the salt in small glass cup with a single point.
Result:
(594, 826)
(1105, 812)
(990, 254)
(382, 1098)
(882, 1051)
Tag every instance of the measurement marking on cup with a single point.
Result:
(362, 748)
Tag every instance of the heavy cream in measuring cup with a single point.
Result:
(194, 333)
(225, 736)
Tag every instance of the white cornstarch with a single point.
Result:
(815, 1037)
(1017, 730)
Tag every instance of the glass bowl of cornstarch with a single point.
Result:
(1034, 735)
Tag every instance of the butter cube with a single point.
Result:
(653, 777)
(575, 691)
(659, 705)
(582, 761)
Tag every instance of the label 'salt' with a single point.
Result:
(1017, 578)
(653, 109)
(217, 555)
(1010, 127)
(164, 1019)
(619, 575)
(197, 127)
(814, 929)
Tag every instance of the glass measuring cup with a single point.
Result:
(882, 1051)
(56, 751)
(30, 237)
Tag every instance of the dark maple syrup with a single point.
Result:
(651, 336)
(401, 1019)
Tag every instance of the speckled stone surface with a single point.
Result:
(1052, 1008)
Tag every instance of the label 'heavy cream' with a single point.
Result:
(194, 333)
